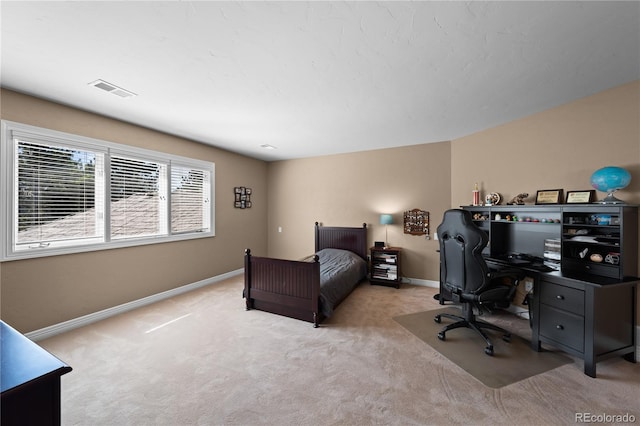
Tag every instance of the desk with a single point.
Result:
(588, 307)
(30, 381)
(590, 317)
(586, 315)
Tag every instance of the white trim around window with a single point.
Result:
(64, 193)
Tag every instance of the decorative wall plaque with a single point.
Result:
(243, 197)
(416, 222)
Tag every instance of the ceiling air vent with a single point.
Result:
(112, 88)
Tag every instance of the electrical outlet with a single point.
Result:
(435, 236)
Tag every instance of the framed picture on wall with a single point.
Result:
(242, 197)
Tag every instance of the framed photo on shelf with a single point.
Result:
(549, 196)
(581, 197)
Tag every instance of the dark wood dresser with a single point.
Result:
(30, 381)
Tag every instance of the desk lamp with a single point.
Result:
(386, 219)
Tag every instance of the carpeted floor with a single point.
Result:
(511, 362)
(202, 359)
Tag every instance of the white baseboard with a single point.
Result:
(65, 326)
(425, 283)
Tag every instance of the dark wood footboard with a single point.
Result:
(292, 287)
(284, 287)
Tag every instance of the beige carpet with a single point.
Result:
(510, 363)
(202, 359)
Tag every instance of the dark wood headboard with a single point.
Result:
(352, 239)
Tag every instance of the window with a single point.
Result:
(190, 191)
(138, 197)
(63, 193)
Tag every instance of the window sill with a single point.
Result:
(59, 251)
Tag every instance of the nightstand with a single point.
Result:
(385, 266)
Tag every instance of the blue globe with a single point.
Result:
(610, 179)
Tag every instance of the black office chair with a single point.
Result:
(467, 279)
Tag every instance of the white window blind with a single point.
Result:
(138, 197)
(64, 193)
(190, 204)
(56, 194)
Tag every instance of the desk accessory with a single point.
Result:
(610, 179)
(519, 199)
(492, 199)
(549, 196)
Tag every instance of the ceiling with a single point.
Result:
(318, 78)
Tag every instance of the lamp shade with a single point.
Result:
(386, 219)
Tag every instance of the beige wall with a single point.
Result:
(557, 148)
(351, 189)
(41, 292)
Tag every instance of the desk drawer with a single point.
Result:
(562, 327)
(561, 297)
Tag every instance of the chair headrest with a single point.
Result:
(459, 223)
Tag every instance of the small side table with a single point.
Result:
(385, 266)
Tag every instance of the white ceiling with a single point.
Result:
(317, 78)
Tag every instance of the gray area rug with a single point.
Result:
(510, 363)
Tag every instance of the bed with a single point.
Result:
(311, 288)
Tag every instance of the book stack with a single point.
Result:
(552, 253)
(385, 267)
(385, 272)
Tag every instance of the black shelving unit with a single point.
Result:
(385, 266)
(588, 307)
(600, 240)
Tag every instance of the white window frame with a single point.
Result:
(8, 187)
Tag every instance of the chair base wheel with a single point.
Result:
(477, 325)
